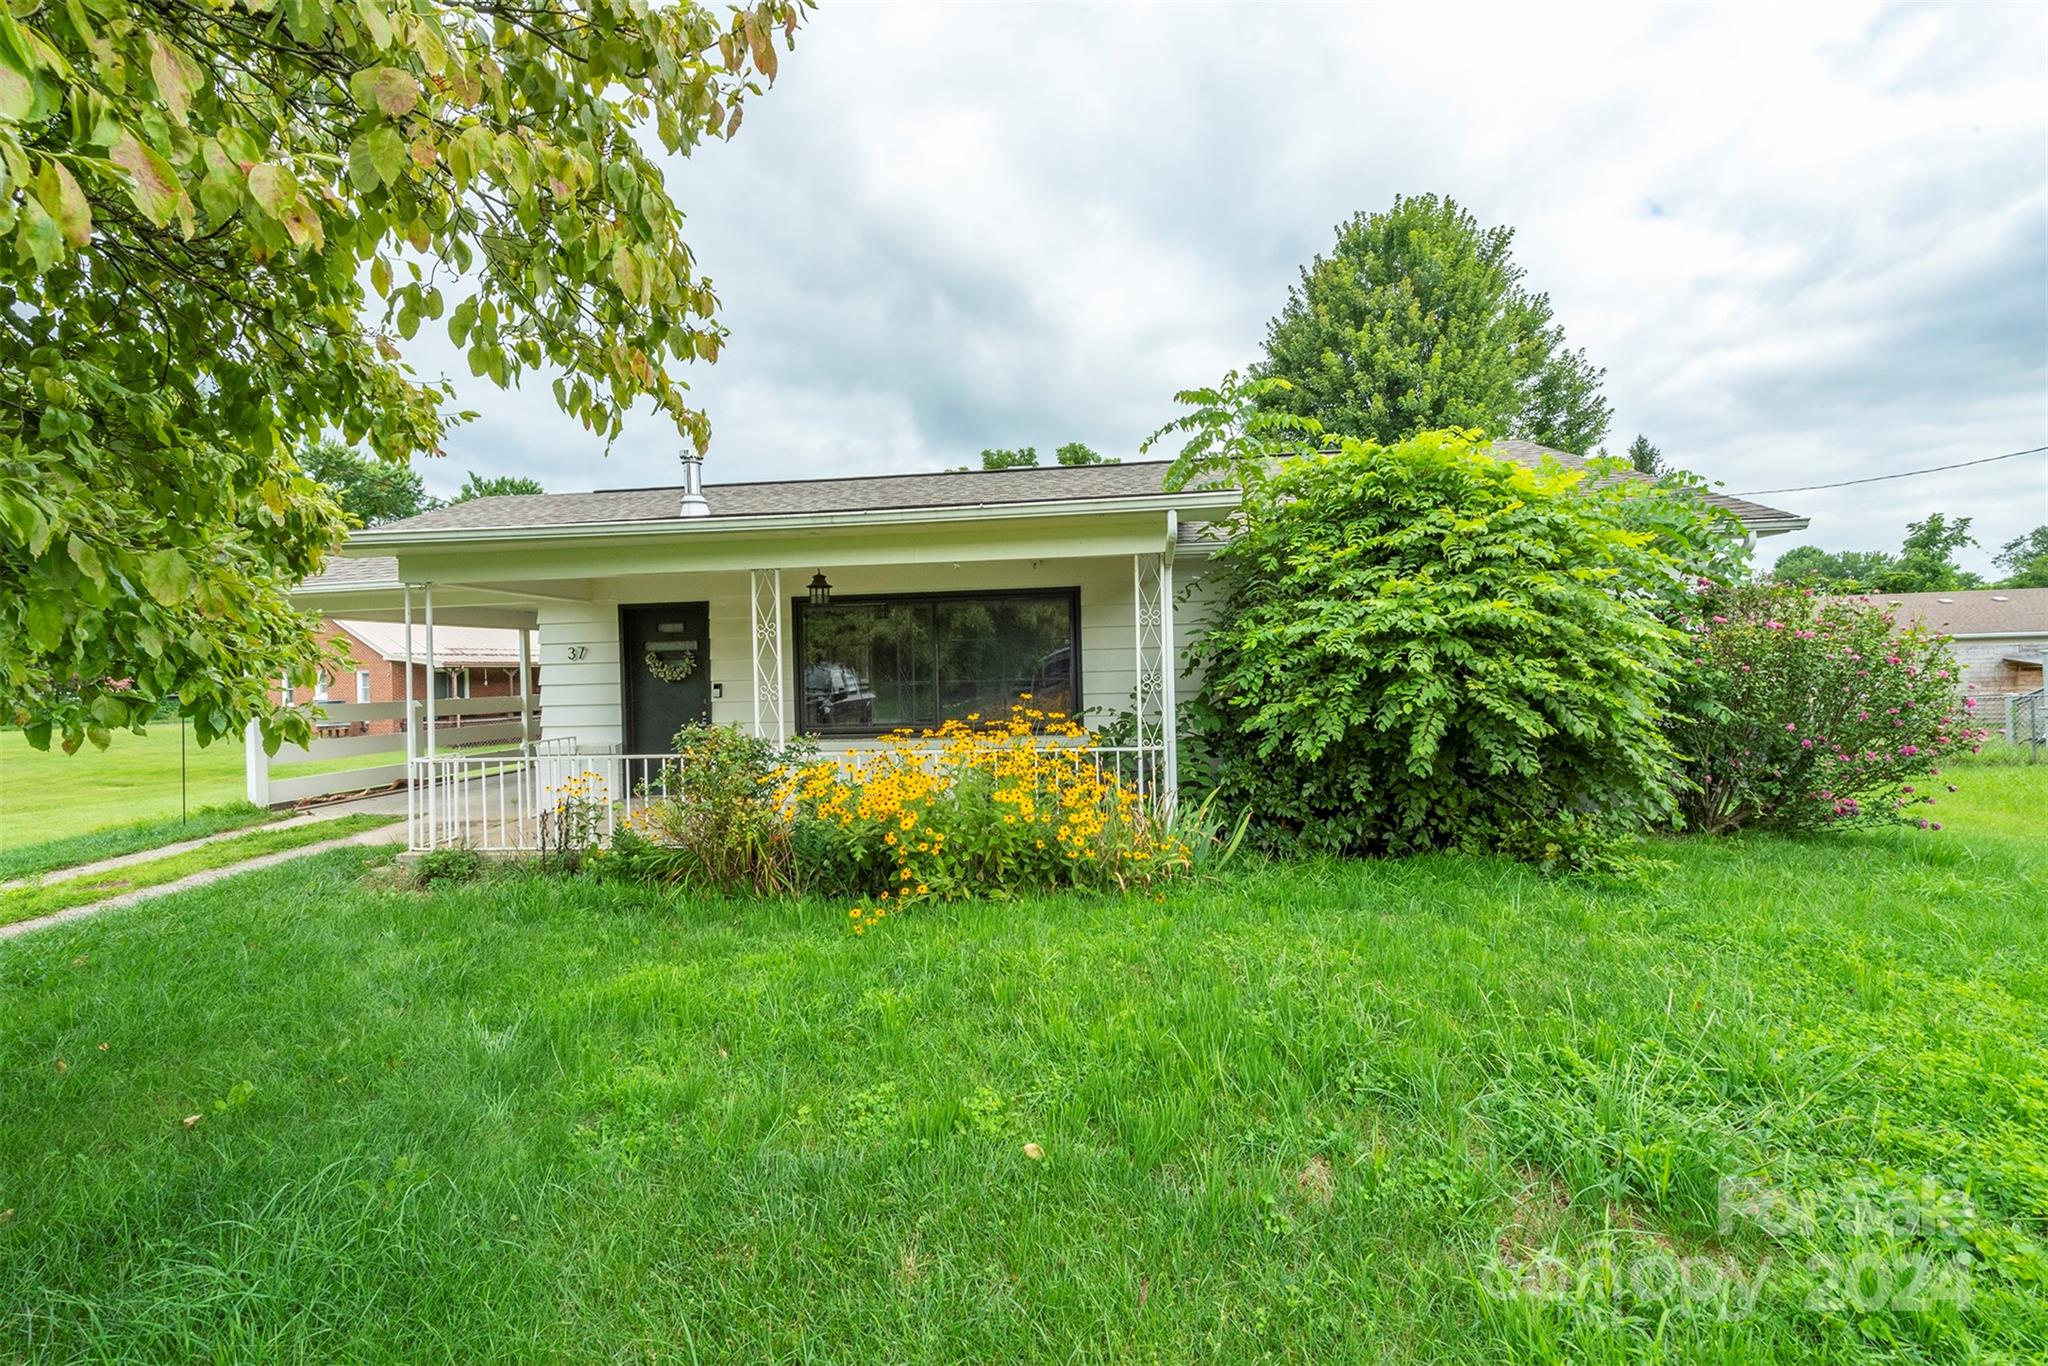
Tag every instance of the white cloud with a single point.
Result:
(1808, 243)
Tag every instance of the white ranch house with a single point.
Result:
(833, 608)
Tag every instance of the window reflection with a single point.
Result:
(877, 664)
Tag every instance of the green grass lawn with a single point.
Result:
(46, 795)
(50, 795)
(26, 903)
(1440, 1109)
(112, 841)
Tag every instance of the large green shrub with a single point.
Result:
(1802, 711)
(1426, 647)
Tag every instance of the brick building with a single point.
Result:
(469, 661)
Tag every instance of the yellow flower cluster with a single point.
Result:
(980, 806)
(579, 806)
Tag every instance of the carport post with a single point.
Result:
(412, 735)
(526, 735)
(255, 765)
(433, 797)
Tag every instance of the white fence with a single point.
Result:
(466, 723)
(511, 802)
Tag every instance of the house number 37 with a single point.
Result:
(578, 651)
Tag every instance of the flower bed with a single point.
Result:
(975, 809)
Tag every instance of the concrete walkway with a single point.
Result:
(386, 834)
(380, 804)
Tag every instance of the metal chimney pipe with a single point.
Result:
(693, 487)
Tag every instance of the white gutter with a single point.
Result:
(375, 541)
(1775, 526)
(1994, 635)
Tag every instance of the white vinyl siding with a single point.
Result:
(579, 641)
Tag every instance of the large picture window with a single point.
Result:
(873, 664)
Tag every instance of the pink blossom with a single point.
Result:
(1791, 725)
(1908, 751)
(1773, 624)
(1970, 703)
(1806, 743)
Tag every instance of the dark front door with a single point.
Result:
(667, 672)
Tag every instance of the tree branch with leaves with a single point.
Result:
(225, 219)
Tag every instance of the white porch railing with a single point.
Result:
(501, 803)
(380, 755)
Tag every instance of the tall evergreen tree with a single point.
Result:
(1646, 458)
(1418, 319)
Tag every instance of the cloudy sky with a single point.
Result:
(1808, 244)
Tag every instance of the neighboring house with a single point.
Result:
(2001, 636)
(469, 661)
(833, 608)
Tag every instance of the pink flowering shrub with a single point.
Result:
(1802, 712)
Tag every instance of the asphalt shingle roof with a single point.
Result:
(876, 493)
(795, 497)
(1974, 612)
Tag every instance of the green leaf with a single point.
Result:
(380, 277)
(152, 184)
(176, 77)
(46, 622)
(272, 187)
(13, 43)
(387, 154)
(375, 25)
(167, 577)
(387, 89)
(362, 167)
(59, 193)
(38, 238)
(17, 92)
(626, 271)
(86, 558)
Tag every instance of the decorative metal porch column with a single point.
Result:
(1157, 728)
(771, 712)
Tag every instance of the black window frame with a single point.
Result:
(801, 606)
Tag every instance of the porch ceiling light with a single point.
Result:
(821, 591)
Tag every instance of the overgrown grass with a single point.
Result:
(115, 840)
(26, 903)
(1312, 1113)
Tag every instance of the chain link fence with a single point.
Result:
(2026, 722)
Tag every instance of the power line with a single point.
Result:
(1902, 474)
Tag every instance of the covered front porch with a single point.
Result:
(836, 632)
